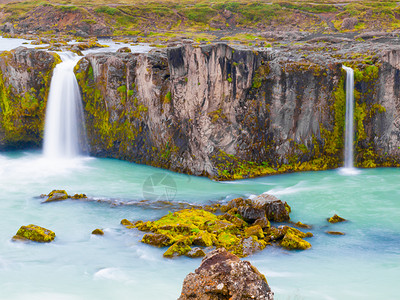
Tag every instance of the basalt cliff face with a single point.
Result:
(24, 84)
(218, 111)
(230, 113)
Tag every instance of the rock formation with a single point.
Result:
(233, 112)
(24, 85)
(223, 275)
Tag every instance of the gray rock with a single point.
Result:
(349, 23)
(223, 275)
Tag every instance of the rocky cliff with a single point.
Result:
(24, 84)
(226, 112)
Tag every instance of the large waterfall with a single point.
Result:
(64, 134)
(349, 130)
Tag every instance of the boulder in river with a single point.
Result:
(262, 206)
(35, 233)
(56, 195)
(222, 275)
(336, 219)
(98, 232)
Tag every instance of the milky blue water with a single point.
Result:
(363, 264)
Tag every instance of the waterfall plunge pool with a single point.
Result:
(363, 264)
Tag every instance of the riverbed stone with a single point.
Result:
(98, 232)
(222, 275)
(35, 233)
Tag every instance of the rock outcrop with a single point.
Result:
(223, 275)
(24, 85)
(234, 112)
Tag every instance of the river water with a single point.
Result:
(363, 264)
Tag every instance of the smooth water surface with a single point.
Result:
(363, 264)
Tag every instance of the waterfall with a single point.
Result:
(349, 128)
(64, 133)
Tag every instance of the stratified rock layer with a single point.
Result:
(223, 275)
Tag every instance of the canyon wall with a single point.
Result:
(24, 84)
(215, 110)
(234, 112)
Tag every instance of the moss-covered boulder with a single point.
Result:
(263, 206)
(293, 242)
(57, 195)
(158, 240)
(35, 233)
(336, 219)
(195, 253)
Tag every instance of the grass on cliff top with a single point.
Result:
(131, 16)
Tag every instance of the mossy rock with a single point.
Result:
(35, 233)
(98, 232)
(293, 242)
(335, 232)
(127, 223)
(57, 195)
(302, 225)
(234, 220)
(158, 240)
(336, 219)
(263, 223)
(195, 253)
(204, 239)
(79, 196)
(177, 249)
(255, 230)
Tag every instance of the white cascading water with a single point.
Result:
(64, 133)
(349, 128)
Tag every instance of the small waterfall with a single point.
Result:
(349, 130)
(64, 133)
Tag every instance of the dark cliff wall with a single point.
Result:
(229, 112)
(24, 84)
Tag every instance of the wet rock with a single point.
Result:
(158, 240)
(263, 223)
(335, 232)
(195, 252)
(263, 206)
(98, 232)
(349, 23)
(234, 220)
(293, 242)
(178, 248)
(127, 223)
(302, 225)
(56, 195)
(255, 230)
(79, 196)
(223, 275)
(275, 209)
(35, 233)
(251, 245)
(336, 219)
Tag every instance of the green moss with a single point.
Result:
(35, 233)
(22, 113)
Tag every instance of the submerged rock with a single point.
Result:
(336, 219)
(35, 233)
(223, 275)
